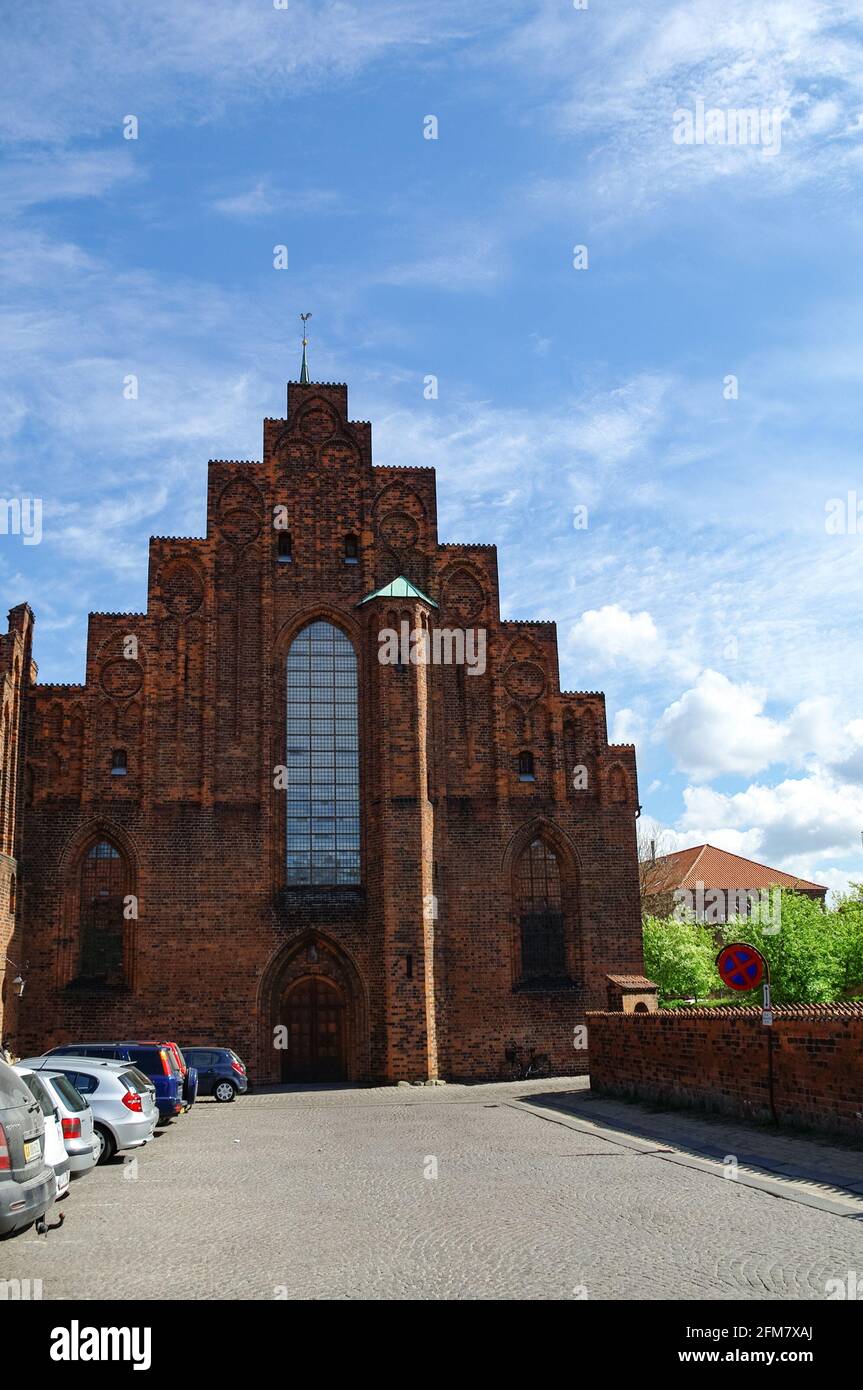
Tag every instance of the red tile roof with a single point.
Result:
(717, 868)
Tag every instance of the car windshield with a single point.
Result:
(71, 1098)
(34, 1085)
(12, 1089)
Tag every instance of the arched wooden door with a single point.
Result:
(313, 1009)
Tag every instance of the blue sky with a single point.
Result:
(706, 595)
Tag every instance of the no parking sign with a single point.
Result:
(742, 967)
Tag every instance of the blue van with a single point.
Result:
(155, 1060)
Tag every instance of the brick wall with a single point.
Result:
(718, 1059)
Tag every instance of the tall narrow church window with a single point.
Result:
(352, 550)
(119, 762)
(543, 953)
(525, 767)
(284, 548)
(323, 782)
(104, 883)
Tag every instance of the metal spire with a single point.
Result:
(304, 370)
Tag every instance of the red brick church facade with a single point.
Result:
(246, 828)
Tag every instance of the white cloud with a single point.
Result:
(718, 728)
(252, 202)
(263, 197)
(190, 60)
(628, 727)
(615, 80)
(612, 636)
(57, 177)
(453, 258)
(794, 825)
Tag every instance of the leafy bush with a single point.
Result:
(815, 956)
(679, 957)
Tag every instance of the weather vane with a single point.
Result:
(304, 370)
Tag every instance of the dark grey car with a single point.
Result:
(26, 1180)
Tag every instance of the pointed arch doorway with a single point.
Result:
(314, 1014)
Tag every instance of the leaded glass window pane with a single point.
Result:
(543, 950)
(322, 758)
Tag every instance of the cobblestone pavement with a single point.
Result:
(323, 1194)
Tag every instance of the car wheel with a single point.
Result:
(225, 1091)
(107, 1144)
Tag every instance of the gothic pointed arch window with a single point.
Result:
(105, 883)
(322, 759)
(539, 897)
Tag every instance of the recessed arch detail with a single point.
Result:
(541, 828)
(326, 613)
(541, 870)
(99, 908)
(313, 954)
(617, 785)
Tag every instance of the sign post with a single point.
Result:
(766, 1011)
(742, 967)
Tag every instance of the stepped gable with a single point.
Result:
(411, 863)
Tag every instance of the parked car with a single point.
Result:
(76, 1120)
(124, 1107)
(221, 1073)
(55, 1149)
(190, 1074)
(155, 1060)
(27, 1182)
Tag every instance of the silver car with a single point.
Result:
(27, 1182)
(122, 1099)
(76, 1119)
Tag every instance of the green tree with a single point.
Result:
(679, 957)
(815, 956)
(848, 926)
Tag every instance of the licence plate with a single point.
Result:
(32, 1149)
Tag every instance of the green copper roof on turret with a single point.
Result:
(398, 588)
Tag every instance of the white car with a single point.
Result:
(81, 1142)
(55, 1149)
